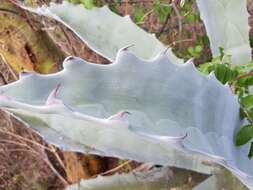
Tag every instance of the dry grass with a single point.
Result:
(24, 159)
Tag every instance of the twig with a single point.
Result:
(58, 157)
(145, 15)
(244, 76)
(56, 172)
(31, 150)
(143, 167)
(114, 169)
(126, 7)
(9, 11)
(25, 139)
(68, 40)
(247, 114)
(13, 142)
(9, 70)
(178, 16)
(132, 2)
(164, 25)
(179, 41)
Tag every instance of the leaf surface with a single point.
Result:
(226, 23)
(106, 36)
(157, 179)
(178, 117)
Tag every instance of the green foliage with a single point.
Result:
(195, 51)
(139, 15)
(189, 14)
(162, 9)
(192, 17)
(88, 4)
(250, 154)
(247, 101)
(244, 135)
(74, 1)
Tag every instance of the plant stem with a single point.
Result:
(244, 76)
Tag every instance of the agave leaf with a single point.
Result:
(157, 179)
(105, 36)
(178, 117)
(221, 180)
(226, 22)
(207, 184)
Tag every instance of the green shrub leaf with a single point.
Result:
(244, 135)
(88, 4)
(247, 101)
(251, 150)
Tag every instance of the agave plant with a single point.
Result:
(105, 36)
(90, 111)
(155, 179)
(155, 111)
(227, 27)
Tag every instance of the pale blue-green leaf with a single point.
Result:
(166, 101)
(226, 22)
(221, 180)
(157, 179)
(104, 31)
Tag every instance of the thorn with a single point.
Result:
(119, 115)
(25, 73)
(166, 50)
(184, 136)
(56, 90)
(52, 96)
(127, 47)
(211, 75)
(69, 58)
(190, 61)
